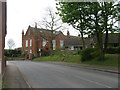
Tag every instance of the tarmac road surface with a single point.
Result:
(49, 75)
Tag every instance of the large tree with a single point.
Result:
(110, 14)
(53, 23)
(94, 18)
(74, 14)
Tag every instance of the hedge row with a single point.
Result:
(91, 53)
(12, 53)
(113, 50)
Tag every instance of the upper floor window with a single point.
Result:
(61, 43)
(26, 43)
(30, 42)
(28, 32)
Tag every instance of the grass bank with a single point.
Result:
(111, 59)
(61, 57)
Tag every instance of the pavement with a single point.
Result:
(24, 74)
(13, 78)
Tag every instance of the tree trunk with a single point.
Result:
(106, 41)
(83, 42)
(106, 29)
(99, 39)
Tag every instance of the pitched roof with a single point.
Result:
(112, 38)
(72, 41)
(41, 30)
(76, 41)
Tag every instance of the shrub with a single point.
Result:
(10, 53)
(113, 50)
(78, 52)
(87, 54)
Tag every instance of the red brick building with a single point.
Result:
(2, 35)
(36, 39)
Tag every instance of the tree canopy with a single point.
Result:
(91, 18)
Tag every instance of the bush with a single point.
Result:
(87, 54)
(78, 52)
(113, 50)
(12, 53)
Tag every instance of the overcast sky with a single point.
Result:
(22, 13)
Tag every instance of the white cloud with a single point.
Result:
(21, 14)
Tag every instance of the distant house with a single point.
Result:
(113, 40)
(75, 43)
(35, 40)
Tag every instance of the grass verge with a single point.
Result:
(110, 59)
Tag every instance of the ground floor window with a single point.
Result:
(30, 51)
(71, 48)
(54, 44)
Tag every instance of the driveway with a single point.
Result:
(49, 75)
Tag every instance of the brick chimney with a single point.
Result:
(68, 34)
(35, 25)
(22, 39)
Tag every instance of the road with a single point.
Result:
(49, 75)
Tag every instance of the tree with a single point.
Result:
(110, 13)
(10, 43)
(92, 18)
(102, 20)
(74, 14)
(52, 23)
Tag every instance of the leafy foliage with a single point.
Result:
(113, 50)
(12, 53)
(86, 54)
(91, 18)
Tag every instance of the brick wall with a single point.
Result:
(37, 41)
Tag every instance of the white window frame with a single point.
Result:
(44, 42)
(30, 42)
(26, 43)
(30, 51)
(61, 43)
(54, 44)
(71, 48)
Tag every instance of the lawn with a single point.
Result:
(61, 57)
(110, 59)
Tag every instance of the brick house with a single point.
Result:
(2, 35)
(35, 40)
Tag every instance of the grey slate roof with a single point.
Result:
(72, 41)
(41, 30)
(112, 38)
(75, 41)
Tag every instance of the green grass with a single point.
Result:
(59, 57)
(15, 59)
(110, 59)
